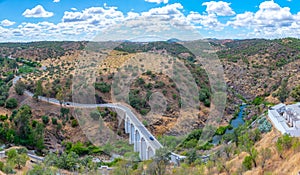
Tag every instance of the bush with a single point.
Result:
(45, 119)
(11, 103)
(257, 101)
(221, 130)
(144, 111)
(3, 117)
(102, 87)
(247, 163)
(95, 115)
(207, 102)
(20, 88)
(1, 166)
(145, 123)
(77, 148)
(74, 123)
(206, 146)
(2, 102)
(54, 121)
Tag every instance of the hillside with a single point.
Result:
(258, 72)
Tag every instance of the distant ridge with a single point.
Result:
(173, 40)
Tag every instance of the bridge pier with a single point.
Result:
(143, 152)
(127, 125)
(137, 141)
(150, 152)
(132, 134)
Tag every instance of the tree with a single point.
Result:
(37, 136)
(160, 161)
(21, 121)
(227, 150)
(48, 90)
(17, 159)
(11, 103)
(68, 161)
(283, 91)
(21, 160)
(41, 169)
(283, 143)
(51, 160)
(265, 155)
(247, 163)
(38, 90)
(60, 97)
(20, 87)
(192, 156)
(279, 149)
(296, 93)
(11, 154)
(247, 145)
(95, 115)
(64, 111)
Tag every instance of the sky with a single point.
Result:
(38, 20)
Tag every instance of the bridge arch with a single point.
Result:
(143, 149)
(132, 129)
(150, 152)
(137, 141)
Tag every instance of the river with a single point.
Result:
(234, 123)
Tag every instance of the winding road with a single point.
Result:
(144, 131)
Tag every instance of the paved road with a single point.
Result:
(144, 131)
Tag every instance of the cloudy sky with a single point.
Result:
(33, 20)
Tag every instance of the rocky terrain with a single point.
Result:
(255, 68)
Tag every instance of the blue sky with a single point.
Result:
(33, 20)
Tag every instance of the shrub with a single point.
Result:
(45, 119)
(247, 163)
(145, 123)
(257, 101)
(79, 149)
(144, 111)
(221, 130)
(64, 111)
(102, 87)
(2, 102)
(11, 103)
(20, 88)
(74, 123)
(54, 121)
(3, 117)
(207, 103)
(1, 166)
(206, 146)
(95, 115)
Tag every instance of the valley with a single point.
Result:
(259, 73)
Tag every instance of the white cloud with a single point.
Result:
(74, 9)
(209, 21)
(37, 12)
(271, 14)
(158, 1)
(219, 8)
(7, 22)
(56, 0)
(270, 20)
(242, 20)
(94, 15)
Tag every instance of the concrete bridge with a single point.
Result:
(141, 138)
